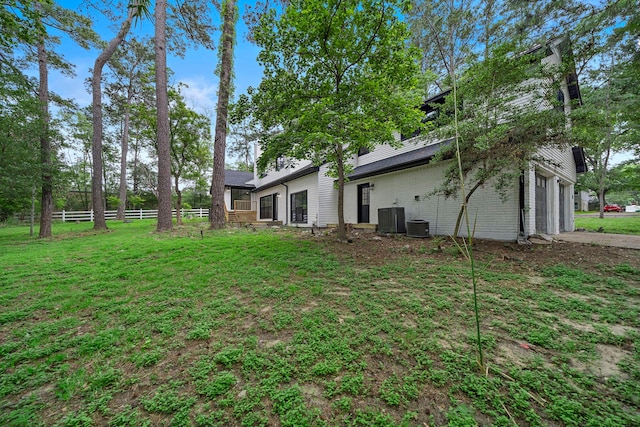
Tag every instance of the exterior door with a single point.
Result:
(562, 204)
(363, 203)
(541, 204)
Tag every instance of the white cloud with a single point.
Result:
(200, 94)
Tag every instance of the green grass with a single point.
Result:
(617, 225)
(131, 328)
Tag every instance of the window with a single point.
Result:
(266, 207)
(280, 163)
(362, 151)
(299, 207)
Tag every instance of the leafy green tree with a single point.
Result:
(494, 135)
(26, 39)
(78, 130)
(499, 135)
(190, 144)
(338, 77)
(130, 68)
(625, 39)
(20, 110)
(628, 174)
(446, 32)
(97, 202)
(189, 136)
(19, 143)
(600, 128)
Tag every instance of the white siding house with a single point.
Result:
(540, 201)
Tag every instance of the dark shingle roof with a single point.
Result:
(418, 157)
(238, 179)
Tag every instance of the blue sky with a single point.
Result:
(195, 69)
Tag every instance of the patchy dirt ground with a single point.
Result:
(377, 249)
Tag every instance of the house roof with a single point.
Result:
(418, 157)
(237, 179)
(306, 170)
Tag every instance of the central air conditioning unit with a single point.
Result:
(417, 228)
(391, 220)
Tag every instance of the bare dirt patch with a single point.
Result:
(378, 249)
(607, 365)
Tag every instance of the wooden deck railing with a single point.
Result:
(242, 205)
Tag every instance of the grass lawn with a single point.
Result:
(240, 328)
(611, 223)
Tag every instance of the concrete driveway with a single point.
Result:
(603, 239)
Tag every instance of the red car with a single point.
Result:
(613, 208)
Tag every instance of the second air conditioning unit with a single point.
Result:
(391, 220)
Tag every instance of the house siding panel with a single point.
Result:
(495, 219)
(385, 151)
(561, 163)
(280, 201)
(411, 189)
(327, 199)
(310, 184)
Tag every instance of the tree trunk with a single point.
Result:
(162, 111)
(178, 201)
(456, 230)
(32, 215)
(602, 184)
(99, 222)
(83, 190)
(124, 148)
(220, 142)
(46, 208)
(135, 169)
(105, 188)
(342, 228)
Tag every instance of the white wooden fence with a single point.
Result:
(71, 216)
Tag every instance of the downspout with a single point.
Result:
(286, 205)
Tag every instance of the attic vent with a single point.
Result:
(417, 228)
(391, 220)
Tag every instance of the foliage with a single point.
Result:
(445, 33)
(95, 317)
(624, 39)
(338, 76)
(189, 137)
(243, 134)
(504, 95)
(601, 128)
(499, 134)
(19, 142)
(97, 203)
(130, 68)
